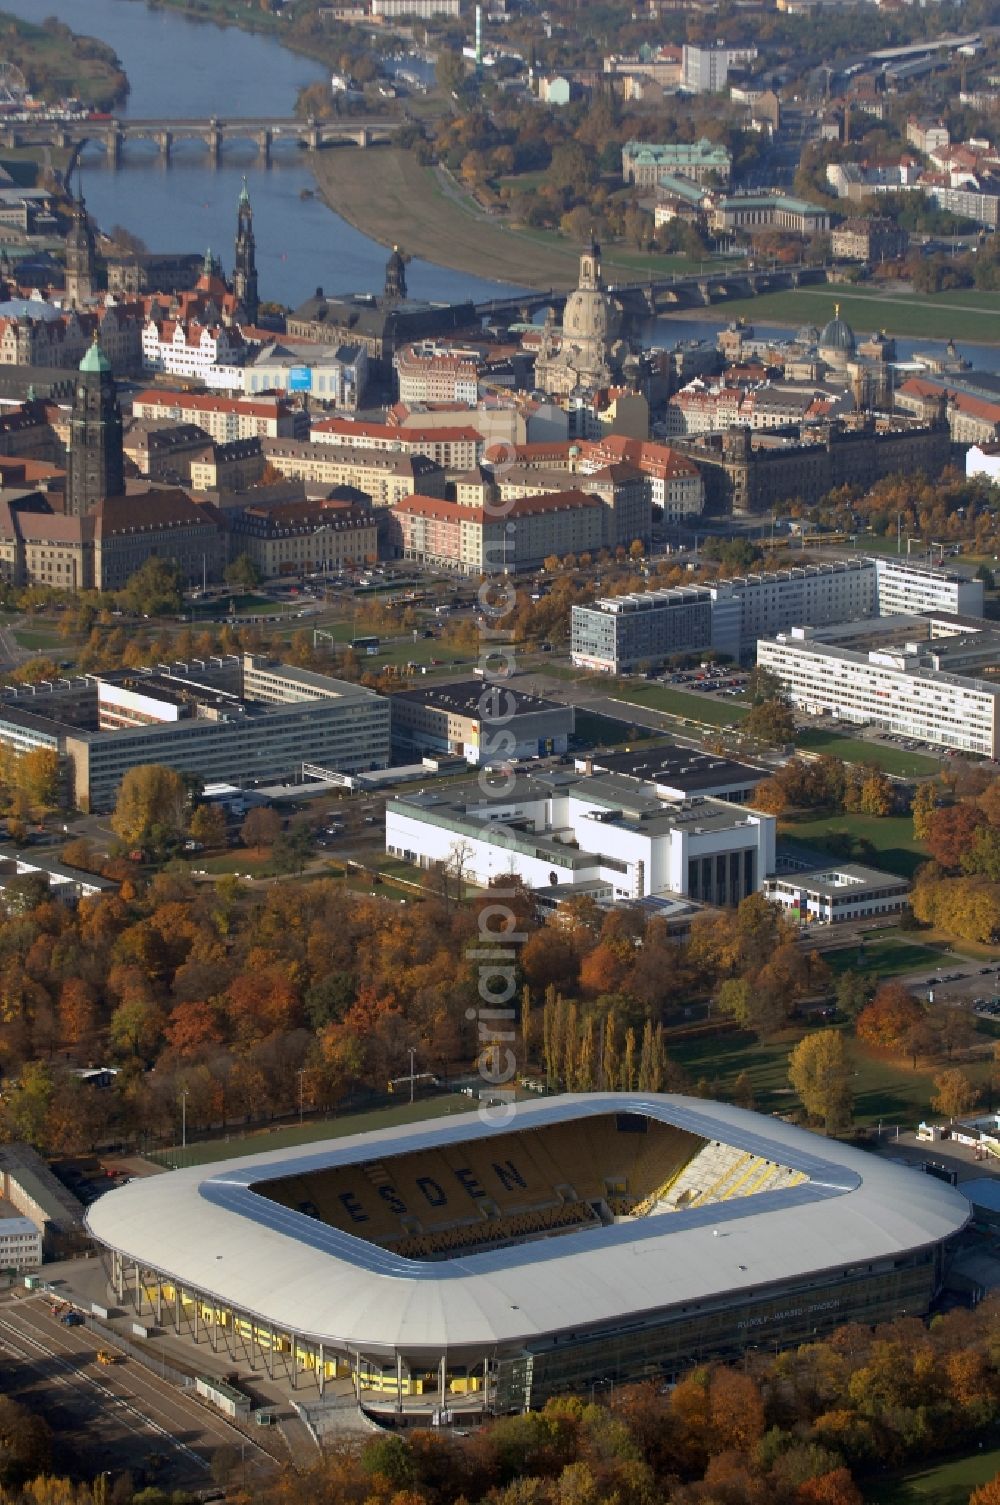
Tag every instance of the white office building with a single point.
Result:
(898, 691)
(607, 831)
(620, 634)
(835, 894)
(904, 586)
(20, 1244)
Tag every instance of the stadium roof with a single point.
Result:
(207, 1229)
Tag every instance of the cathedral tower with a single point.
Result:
(81, 257)
(245, 268)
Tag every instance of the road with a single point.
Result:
(121, 1418)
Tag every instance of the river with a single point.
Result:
(181, 68)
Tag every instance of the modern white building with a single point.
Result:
(561, 829)
(834, 894)
(20, 1244)
(904, 586)
(618, 634)
(896, 690)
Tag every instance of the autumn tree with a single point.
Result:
(925, 803)
(950, 831)
(819, 1070)
(771, 722)
(988, 1493)
(154, 590)
(151, 806)
(36, 775)
(208, 825)
(876, 795)
(261, 828)
(886, 1022)
(955, 1094)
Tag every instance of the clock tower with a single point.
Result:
(96, 463)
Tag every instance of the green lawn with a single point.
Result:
(856, 750)
(327, 1128)
(889, 955)
(964, 314)
(946, 1484)
(686, 704)
(896, 849)
(40, 637)
(594, 730)
(885, 1091)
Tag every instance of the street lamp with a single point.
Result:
(301, 1076)
(412, 1054)
(184, 1098)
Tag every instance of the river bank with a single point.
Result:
(59, 63)
(386, 194)
(964, 314)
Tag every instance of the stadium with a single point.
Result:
(461, 1267)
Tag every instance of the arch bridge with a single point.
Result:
(214, 133)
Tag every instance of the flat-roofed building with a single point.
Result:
(20, 1244)
(563, 828)
(905, 586)
(838, 892)
(891, 690)
(238, 720)
(619, 634)
(481, 722)
(680, 773)
(642, 630)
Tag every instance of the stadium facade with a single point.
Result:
(483, 1266)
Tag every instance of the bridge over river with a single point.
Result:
(213, 133)
(643, 300)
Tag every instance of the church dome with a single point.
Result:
(838, 336)
(587, 316)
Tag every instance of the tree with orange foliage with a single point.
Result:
(950, 831)
(261, 1002)
(736, 1410)
(887, 1022)
(604, 968)
(77, 1011)
(191, 1027)
(988, 1493)
(834, 1488)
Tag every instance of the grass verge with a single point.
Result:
(856, 750)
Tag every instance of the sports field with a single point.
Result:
(208, 1151)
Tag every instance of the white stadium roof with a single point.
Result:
(207, 1230)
